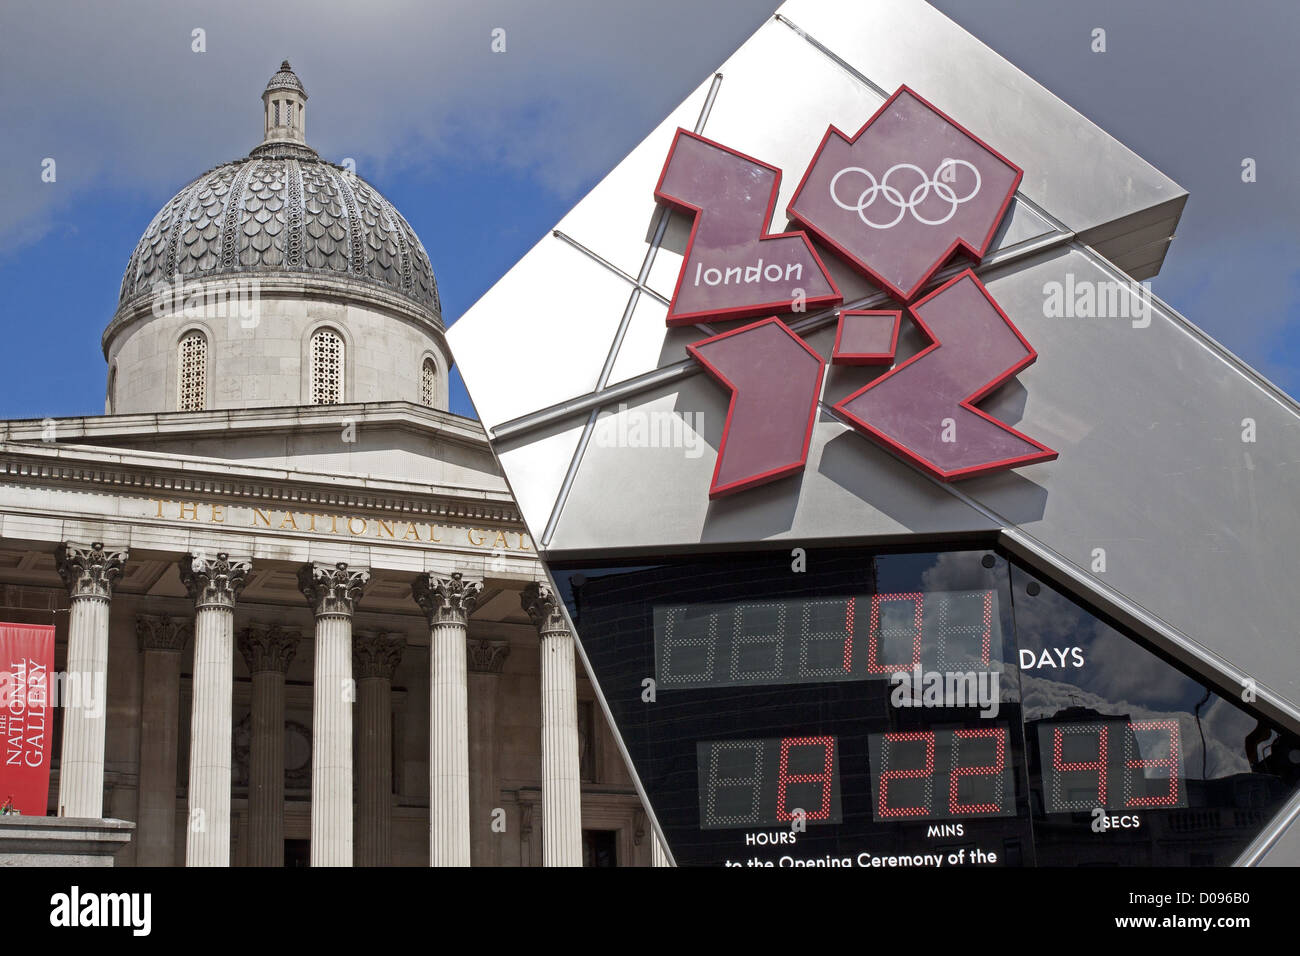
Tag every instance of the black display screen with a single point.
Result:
(860, 637)
(861, 708)
(749, 783)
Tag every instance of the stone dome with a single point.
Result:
(276, 280)
(284, 211)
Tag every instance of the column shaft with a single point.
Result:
(266, 771)
(448, 746)
(332, 593)
(374, 824)
(374, 659)
(214, 583)
(89, 573)
(486, 659)
(207, 841)
(331, 753)
(657, 855)
(268, 651)
(448, 603)
(561, 774)
(161, 643)
(81, 765)
(561, 781)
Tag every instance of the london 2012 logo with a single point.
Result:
(895, 202)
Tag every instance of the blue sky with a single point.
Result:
(484, 152)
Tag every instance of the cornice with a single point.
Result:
(232, 421)
(164, 476)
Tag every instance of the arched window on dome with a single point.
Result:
(429, 383)
(192, 372)
(326, 367)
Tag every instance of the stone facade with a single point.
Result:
(315, 624)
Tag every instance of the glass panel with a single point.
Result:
(775, 692)
(1132, 759)
(913, 709)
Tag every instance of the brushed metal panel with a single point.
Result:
(536, 466)
(1198, 527)
(541, 334)
(626, 497)
(909, 42)
(649, 343)
(778, 95)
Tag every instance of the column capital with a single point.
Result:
(333, 589)
(544, 607)
(268, 648)
(376, 655)
(486, 657)
(158, 633)
(89, 572)
(449, 600)
(213, 582)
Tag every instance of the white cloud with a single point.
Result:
(117, 97)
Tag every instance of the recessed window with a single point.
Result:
(326, 368)
(192, 375)
(428, 383)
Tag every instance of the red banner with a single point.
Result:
(26, 718)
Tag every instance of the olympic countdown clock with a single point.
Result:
(890, 708)
(874, 557)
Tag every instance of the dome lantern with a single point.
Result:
(285, 113)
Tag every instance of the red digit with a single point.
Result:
(999, 734)
(886, 775)
(848, 640)
(873, 640)
(1099, 765)
(1171, 798)
(825, 778)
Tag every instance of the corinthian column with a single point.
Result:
(374, 658)
(332, 592)
(89, 573)
(161, 641)
(561, 783)
(214, 583)
(486, 661)
(448, 603)
(268, 651)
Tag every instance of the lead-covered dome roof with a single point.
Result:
(282, 209)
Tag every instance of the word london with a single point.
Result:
(755, 273)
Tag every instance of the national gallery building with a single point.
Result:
(309, 624)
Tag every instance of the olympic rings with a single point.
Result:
(918, 195)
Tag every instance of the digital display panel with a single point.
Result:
(750, 783)
(874, 708)
(860, 637)
(1112, 764)
(941, 774)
